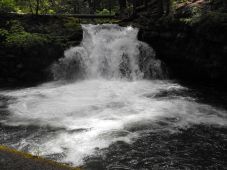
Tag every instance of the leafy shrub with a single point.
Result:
(7, 6)
(196, 14)
(104, 12)
(71, 23)
(16, 26)
(3, 34)
(25, 39)
(18, 37)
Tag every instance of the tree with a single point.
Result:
(134, 3)
(64, 6)
(167, 7)
(122, 6)
(111, 5)
(32, 6)
(7, 6)
(37, 7)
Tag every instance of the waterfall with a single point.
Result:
(110, 52)
(108, 113)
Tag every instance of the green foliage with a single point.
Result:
(43, 6)
(16, 26)
(72, 23)
(18, 37)
(196, 16)
(25, 39)
(59, 6)
(3, 34)
(7, 6)
(196, 11)
(51, 11)
(103, 12)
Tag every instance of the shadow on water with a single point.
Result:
(199, 147)
(199, 92)
(213, 94)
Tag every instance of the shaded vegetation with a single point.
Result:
(29, 46)
(192, 42)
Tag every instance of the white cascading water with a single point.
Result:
(110, 52)
(73, 119)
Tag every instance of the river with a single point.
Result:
(112, 107)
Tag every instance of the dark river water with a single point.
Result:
(100, 124)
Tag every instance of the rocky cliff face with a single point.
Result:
(195, 52)
(192, 43)
(29, 45)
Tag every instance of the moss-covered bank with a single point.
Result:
(11, 159)
(29, 44)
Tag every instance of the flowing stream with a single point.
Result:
(110, 103)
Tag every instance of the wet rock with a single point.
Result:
(151, 34)
(20, 66)
(118, 167)
(11, 80)
(166, 35)
(181, 35)
(94, 164)
(225, 49)
(192, 52)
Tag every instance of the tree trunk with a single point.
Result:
(122, 5)
(90, 6)
(94, 6)
(134, 4)
(110, 6)
(167, 7)
(146, 3)
(76, 9)
(225, 5)
(37, 7)
(30, 6)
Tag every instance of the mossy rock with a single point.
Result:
(13, 159)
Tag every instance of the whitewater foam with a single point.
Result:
(108, 51)
(95, 113)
